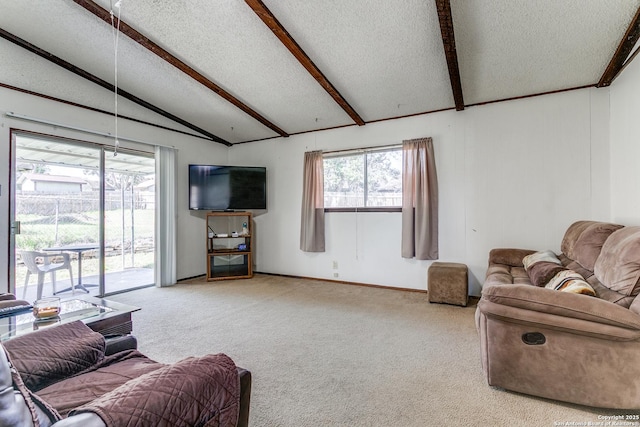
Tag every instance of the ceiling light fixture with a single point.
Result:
(116, 35)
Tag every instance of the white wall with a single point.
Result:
(625, 146)
(510, 174)
(191, 243)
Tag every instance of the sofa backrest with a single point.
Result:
(49, 355)
(571, 236)
(583, 246)
(583, 241)
(618, 266)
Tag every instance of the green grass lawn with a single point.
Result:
(39, 232)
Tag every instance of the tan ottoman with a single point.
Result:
(448, 283)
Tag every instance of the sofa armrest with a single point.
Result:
(245, 397)
(118, 343)
(509, 256)
(560, 310)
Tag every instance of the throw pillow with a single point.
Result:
(547, 256)
(570, 281)
(541, 272)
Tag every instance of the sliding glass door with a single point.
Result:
(57, 204)
(129, 220)
(85, 218)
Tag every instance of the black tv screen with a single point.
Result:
(214, 188)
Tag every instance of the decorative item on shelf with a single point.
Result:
(46, 308)
(242, 247)
(234, 234)
(210, 234)
(245, 230)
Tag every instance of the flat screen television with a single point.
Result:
(217, 188)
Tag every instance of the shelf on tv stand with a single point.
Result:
(229, 262)
(228, 251)
(228, 273)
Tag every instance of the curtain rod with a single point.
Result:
(63, 126)
(397, 145)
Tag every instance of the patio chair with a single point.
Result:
(29, 259)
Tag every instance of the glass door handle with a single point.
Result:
(15, 227)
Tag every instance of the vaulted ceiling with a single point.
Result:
(234, 71)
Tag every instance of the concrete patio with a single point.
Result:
(119, 281)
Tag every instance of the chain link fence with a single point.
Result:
(59, 219)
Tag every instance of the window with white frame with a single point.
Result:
(368, 179)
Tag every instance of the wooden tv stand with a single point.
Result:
(229, 255)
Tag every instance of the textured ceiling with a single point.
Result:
(385, 58)
(508, 47)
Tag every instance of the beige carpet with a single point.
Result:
(328, 354)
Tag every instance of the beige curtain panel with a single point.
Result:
(419, 200)
(312, 223)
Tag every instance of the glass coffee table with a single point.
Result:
(101, 315)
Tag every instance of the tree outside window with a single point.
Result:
(366, 179)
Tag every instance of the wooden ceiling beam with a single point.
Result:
(283, 35)
(97, 110)
(182, 66)
(97, 80)
(619, 59)
(449, 42)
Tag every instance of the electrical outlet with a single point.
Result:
(335, 265)
(336, 275)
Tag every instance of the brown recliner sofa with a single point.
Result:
(70, 376)
(561, 345)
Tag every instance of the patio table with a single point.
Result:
(79, 249)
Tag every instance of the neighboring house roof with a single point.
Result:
(51, 178)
